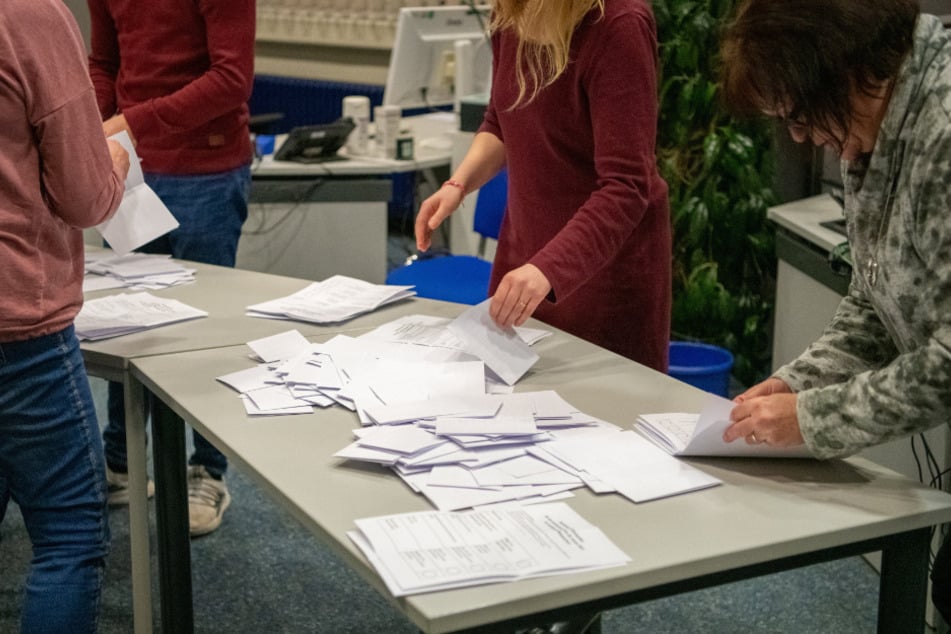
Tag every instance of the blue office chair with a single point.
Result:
(460, 278)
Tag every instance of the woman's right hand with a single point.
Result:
(434, 211)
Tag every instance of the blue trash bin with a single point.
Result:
(702, 365)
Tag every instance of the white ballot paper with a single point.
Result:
(683, 434)
(335, 299)
(130, 312)
(436, 550)
(502, 351)
(279, 347)
(141, 216)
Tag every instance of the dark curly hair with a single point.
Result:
(805, 58)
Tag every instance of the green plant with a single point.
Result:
(719, 170)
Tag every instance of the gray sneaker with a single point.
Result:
(119, 487)
(208, 499)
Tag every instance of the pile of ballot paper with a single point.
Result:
(335, 299)
(138, 271)
(433, 550)
(126, 313)
(436, 410)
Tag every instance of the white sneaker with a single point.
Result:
(207, 500)
(119, 487)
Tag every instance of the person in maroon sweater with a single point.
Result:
(177, 76)
(585, 244)
(58, 175)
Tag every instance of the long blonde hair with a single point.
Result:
(544, 29)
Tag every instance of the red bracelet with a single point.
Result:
(457, 185)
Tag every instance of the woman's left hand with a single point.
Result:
(766, 419)
(518, 295)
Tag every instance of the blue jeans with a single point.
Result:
(51, 460)
(210, 209)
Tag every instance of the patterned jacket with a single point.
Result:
(882, 368)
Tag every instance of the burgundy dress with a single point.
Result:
(586, 204)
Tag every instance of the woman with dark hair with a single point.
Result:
(871, 79)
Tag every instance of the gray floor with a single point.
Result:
(260, 572)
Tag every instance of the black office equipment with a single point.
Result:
(315, 143)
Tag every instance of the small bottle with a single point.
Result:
(387, 120)
(357, 107)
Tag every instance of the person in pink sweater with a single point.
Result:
(177, 76)
(58, 175)
(585, 243)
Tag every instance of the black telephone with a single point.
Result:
(315, 143)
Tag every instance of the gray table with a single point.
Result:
(223, 293)
(769, 515)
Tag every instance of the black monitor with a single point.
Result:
(315, 143)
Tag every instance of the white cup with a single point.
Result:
(357, 107)
(387, 120)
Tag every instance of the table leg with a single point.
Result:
(904, 582)
(171, 512)
(136, 418)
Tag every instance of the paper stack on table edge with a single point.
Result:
(432, 550)
(122, 314)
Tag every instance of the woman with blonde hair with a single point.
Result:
(585, 242)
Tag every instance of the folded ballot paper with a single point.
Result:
(126, 313)
(142, 216)
(685, 434)
(335, 299)
(436, 550)
(139, 271)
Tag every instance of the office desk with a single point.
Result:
(223, 293)
(316, 220)
(767, 516)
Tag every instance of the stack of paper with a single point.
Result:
(685, 434)
(129, 312)
(136, 270)
(337, 298)
(430, 551)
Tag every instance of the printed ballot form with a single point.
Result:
(433, 550)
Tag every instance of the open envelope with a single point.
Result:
(142, 216)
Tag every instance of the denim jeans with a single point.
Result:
(51, 460)
(210, 209)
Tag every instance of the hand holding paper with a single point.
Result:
(501, 349)
(141, 216)
(702, 434)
